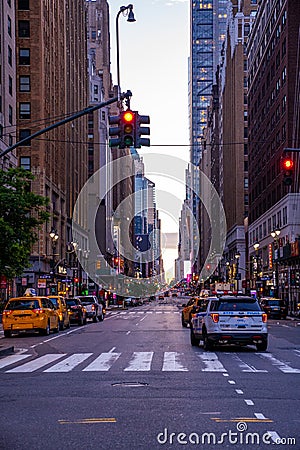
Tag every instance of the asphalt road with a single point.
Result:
(135, 382)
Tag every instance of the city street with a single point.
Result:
(135, 382)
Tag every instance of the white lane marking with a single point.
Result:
(172, 363)
(112, 349)
(285, 368)
(102, 363)
(225, 374)
(143, 318)
(231, 382)
(246, 367)
(140, 312)
(69, 363)
(128, 332)
(123, 312)
(249, 402)
(167, 312)
(239, 391)
(285, 326)
(211, 362)
(37, 363)
(132, 312)
(260, 416)
(140, 362)
(149, 312)
(11, 359)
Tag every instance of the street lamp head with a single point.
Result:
(237, 255)
(131, 17)
(256, 246)
(53, 235)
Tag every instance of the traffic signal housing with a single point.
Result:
(288, 170)
(127, 128)
(115, 131)
(140, 131)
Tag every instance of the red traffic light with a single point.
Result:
(288, 163)
(128, 116)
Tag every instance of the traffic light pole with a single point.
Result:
(81, 113)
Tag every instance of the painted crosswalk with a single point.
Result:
(146, 361)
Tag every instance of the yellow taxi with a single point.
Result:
(62, 310)
(187, 309)
(30, 314)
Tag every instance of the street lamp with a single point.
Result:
(275, 235)
(53, 236)
(237, 257)
(256, 272)
(129, 10)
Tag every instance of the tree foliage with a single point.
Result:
(21, 214)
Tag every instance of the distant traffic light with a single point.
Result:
(140, 130)
(115, 131)
(288, 171)
(127, 128)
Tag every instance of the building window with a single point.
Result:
(94, 35)
(284, 216)
(9, 25)
(24, 28)
(10, 140)
(24, 110)
(24, 83)
(23, 135)
(23, 5)
(10, 85)
(24, 57)
(9, 56)
(1, 131)
(9, 2)
(246, 183)
(25, 162)
(10, 114)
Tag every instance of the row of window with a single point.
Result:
(264, 230)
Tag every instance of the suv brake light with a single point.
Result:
(215, 317)
(264, 317)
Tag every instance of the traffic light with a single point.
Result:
(127, 128)
(288, 170)
(140, 130)
(115, 131)
(98, 264)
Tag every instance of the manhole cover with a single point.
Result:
(130, 384)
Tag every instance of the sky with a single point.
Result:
(154, 53)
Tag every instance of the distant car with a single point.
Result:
(30, 314)
(187, 309)
(161, 297)
(94, 309)
(61, 307)
(274, 307)
(76, 310)
(128, 301)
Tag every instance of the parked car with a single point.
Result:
(94, 309)
(229, 320)
(76, 310)
(61, 307)
(275, 307)
(30, 314)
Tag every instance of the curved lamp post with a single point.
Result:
(130, 18)
(275, 235)
(237, 257)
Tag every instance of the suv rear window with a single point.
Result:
(86, 300)
(72, 302)
(235, 304)
(273, 302)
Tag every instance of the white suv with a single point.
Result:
(229, 320)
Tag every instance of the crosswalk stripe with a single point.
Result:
(69, 363)
(285, 368)
(11, 359)
(103, 363)
(172, 363)
(37, 363)
(212, 363)
(140, 362)
(246, 367)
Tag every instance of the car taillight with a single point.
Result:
(38, 311)
(264, 318)
(215, 317)
(7, 312)
(93, 307)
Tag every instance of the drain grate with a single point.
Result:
(130, 384)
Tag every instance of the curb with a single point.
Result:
(6, 350)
